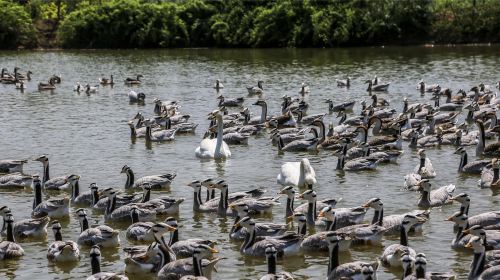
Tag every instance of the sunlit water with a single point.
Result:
(88, 135)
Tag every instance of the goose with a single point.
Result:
(357, 164)
(144, 231)
(12, 165)
(485, 264)
(346, 106)
(184, 248)
(156, 181)
(101, 235)
(198, 205)
(300, 145)
(123, 213)
(236, 138)
(489, 176)
(9, 249)
(304, 88)
(288, 244)
(263, 116)
(473, 167)
(161, 204)
(234, 102)
(434, 198)
(297, 174)
(56, 183)
(78, 87)
(15, 181)
(54, 208)
(28, 228)
(214, 148)
(100, 203)
(288, 138)
(491, 238)
(424, 168)
(391, 256)
(301, 118)
(56, 78)
(446, 106)
(303, 208)
(392, 223)
(271, 257)
(132, 81)
(364, 233)
(285, 120)
(378, 87)
(62, 251)
(423, 87)
(261, 229)
(218, 85)
(95, 263)
(20, 85)
(378, 101)
(149, 259)
(46, 86)
(135, 97)
(407, 262)
(88, 198)
(317, 241)
(196, 265)
(352, 270)
(256, 89)
(482, 149)
(91, 89)
(487, 220)
(160, 135)
(22, 77)
(344, 83)
(105, 81)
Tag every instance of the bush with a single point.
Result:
(16, 27)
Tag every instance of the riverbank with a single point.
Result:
(247, 24)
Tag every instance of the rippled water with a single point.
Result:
(88, 135)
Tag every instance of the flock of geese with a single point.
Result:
(372, 138)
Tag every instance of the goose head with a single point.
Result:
(161, 228)
(241, 208)
(247, 223)
(271, 251)
(72, 179)
(424, 185)
(125, 169)
(476, 244)
(421, 153)
(56, 227)
(407, 261)
(458, 218)
(476, 230)
(204, 251)
(288, 191)
(411, 220)
(461, 198)
(196, 184)
(328, 213)
(368, 273)
(260, 102)
(308, 195)
(4, 210)
(421, 261)
(374, 203)
(42, 158)
(207, 182)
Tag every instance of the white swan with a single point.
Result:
(214, 148)
(297, 174)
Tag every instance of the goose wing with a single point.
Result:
(48, 206)
(29, 227)
(15, 180)
(10, 250)
(349, 216)
(154, 180)
(488, 220)
(137, 230)
(57, 183)
(442, 195)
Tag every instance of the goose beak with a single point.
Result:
(289, 219)
(321, 214)
(449, 219)
(237, 224)
(171, 229)
(468, 245)
(366, 205)
(232, 206)
(467, 231)
(213, 251)
(301, 196)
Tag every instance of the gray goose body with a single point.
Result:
(27, 228)
(490, 176)
(179, 268)
(101, 235)
(434, 198)
(56, 183)
(54, 208)
(123, 213)
(483, 261)
(155, 181)
(12, 165)
(473, 167)
(271, 256)
(15, 181)
(391, 256)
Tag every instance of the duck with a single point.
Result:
(218, 85)
(12, 165)
(214, 148)
(196, 265)
(27, 228)
(15, 181)
(105, 81)
(297, 174)
(184, 248)
(344, 83)
(252, 90)
(95, 263)
(161, 181)
(46, 86)
(62, 251)
(424, 168)
(352, 270)
(485, 264)
(434, 198)
(9, 249)
(56, 183)
(261, 229)
(288, 244)
(473, 167)
(378, 87)
(391, 256)
(132, 81)
(234, 102)
(135, 97)
(54, 207)
(122, 213)
(271, 257)
(489, 176)
(101, 235)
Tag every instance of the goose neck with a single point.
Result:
(271, 264)
(95, 263)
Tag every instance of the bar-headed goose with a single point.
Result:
(290, 209)
(144, 231)
(392, 255)
(9, 249)
(15, 181)
(261, 229)
(56, 183)
(490, 176)
(95, 263)
(271, 257)
(12, 165)
(434, 198)
(184, 248)
(256, 89)
(54, 207)
(156, 181)
(297, 174)
(101, 235)
(485, 263)
(473, 167)
(62, 251)
(122, 213)
(27, 228)
(424, 168)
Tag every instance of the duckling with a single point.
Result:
(62, 251)
(95, 263)
(101, 235)
(54, 208)
(27, 228)
(9, 249)
(434, 198)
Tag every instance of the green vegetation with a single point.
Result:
(251, 23)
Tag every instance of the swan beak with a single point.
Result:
(468, 245)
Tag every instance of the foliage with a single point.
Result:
(16, 27)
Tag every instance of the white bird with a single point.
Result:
(297, 174)
(214, 148)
